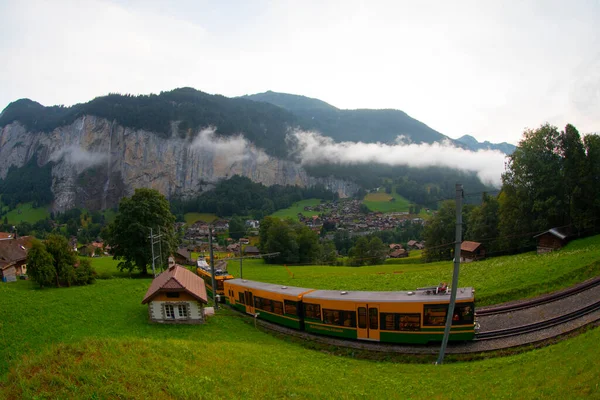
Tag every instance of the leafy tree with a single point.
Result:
(377, 251)
(128, 235)
(329, 255)
(439, 233)
(483, 223)
(359, 252)
(281, 238)
(40, 264)
(237, 228)
(63, 258)
(84, 274)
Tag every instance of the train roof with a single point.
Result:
(270, 287)
(419, 296)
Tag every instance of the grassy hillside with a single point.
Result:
(190, 218)
(95, 342)
(381, 201)
(27, 213)
(292, 212)
(496, 280)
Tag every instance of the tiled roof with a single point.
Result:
(177, 277)
(469, 246)
(12, 250)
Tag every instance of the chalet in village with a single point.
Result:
(176, 296)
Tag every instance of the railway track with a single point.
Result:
(539, 300)
(523, 329)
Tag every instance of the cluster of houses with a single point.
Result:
(397, 251)
(347, 215)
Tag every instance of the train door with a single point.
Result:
(367, 326)
(249, 302)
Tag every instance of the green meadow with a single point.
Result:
(191, 218)
(27, 213)
(298, 208)
(95, 341)
(381, 201)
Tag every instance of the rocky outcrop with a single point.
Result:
(97, 162)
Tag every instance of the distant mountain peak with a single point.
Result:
(475, 145)
(292, 102)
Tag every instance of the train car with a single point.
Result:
(221, 275)
(397, 317)
(275, 303)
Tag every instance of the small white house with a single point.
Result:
(176, 296)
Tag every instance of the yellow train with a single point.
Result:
(396, 317)
(221, 275)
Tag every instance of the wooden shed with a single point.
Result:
(471, 251)
(550, 240)
(176, 296)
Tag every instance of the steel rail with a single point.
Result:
(540, 300)
(537, 326)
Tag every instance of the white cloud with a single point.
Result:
(312, 148)
(230, 148)
(79, 157)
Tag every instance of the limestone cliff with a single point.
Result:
(97, 162)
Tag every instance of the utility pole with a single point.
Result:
(152, 243)
(162, 264)
(241, 262)
(212, 267)
(457, 243)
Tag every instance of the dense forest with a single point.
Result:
(30, 183)
(552, 181)
(239, 195)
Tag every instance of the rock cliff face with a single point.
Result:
(96, 163)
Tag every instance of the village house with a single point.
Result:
(244, 241)
(234, 248)
(550, 240)
(251, 251)
(399, 253)
(13, 258)
(395, 246)
(471, 251)
(252, 223)
(183, 256)
(176, 296)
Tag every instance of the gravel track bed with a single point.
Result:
(541, 297)
(539, 313)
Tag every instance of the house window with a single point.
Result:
(183, 311)
(169, 311)
(173, 295)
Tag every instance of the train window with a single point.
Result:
(362, 317)
(220, 285)
(463, 314)
(349, 319)
(388, 322)
(435, 314)
(249, 300)
(291, 307)
(278, 307)
(312, 311)
(409, 322)
(241, 298)
(373, 322)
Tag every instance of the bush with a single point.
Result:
(84, 274)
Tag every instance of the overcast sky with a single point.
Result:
(489, 69)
